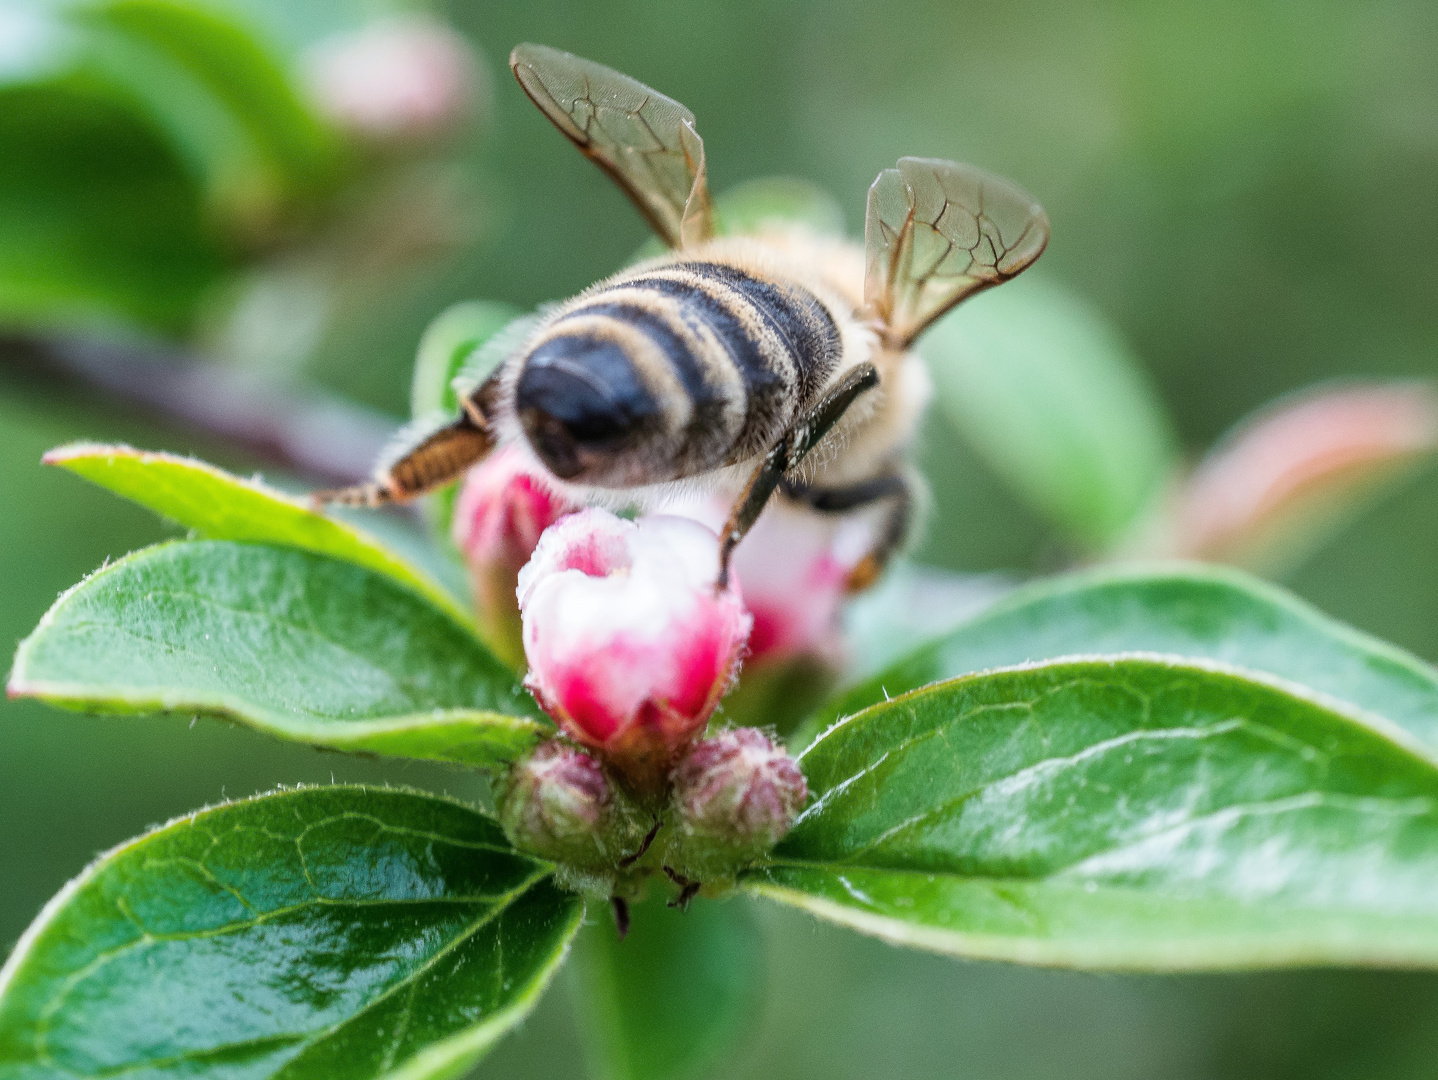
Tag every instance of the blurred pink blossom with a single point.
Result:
(794, 568)
(503, 508)
(630, 646)
(406, 77)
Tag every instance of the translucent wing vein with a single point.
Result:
(645, 141)
(937, 232)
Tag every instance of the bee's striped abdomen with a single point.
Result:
(681, 368)
(777, 343)
(692, 393)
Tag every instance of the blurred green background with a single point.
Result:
(1248, 191)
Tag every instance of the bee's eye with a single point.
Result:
(578, 397)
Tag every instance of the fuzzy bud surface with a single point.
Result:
(737, 793)
(556, 805)
(630, 646)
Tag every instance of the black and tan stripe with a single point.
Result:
(702, 364)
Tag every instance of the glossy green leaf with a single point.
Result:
(1139, 812)
(220, 506)
(1184, 610)
(293, 643)
(339, 932)
(1047, 393)
(671, 999)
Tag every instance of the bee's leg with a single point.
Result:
(894, 487)
(688, 889)
(621, 915)
(790, 450)
(439, 458)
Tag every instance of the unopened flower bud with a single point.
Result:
(503, 508)
(736, 795)
(407, 77)
(558, 805)
(630, 645)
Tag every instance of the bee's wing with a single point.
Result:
(937, 232)
(644, 140)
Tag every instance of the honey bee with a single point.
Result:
(772, 365)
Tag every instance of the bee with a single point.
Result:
(778, 364)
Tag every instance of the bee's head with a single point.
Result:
(584, 408)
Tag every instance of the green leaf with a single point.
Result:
(97, 216)
(1057, 404)
(671, 999)
(784, 199)
(1191, 611)
(220, 506)
(321, 932)
(223, 97)
(447, 343)
(1140, 812)
(292, 643)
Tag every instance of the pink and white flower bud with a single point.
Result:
(630, 645)
(408, 77)
(556, 804)
(737, 794)
(503, 508)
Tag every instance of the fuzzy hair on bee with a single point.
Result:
(776, 364)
